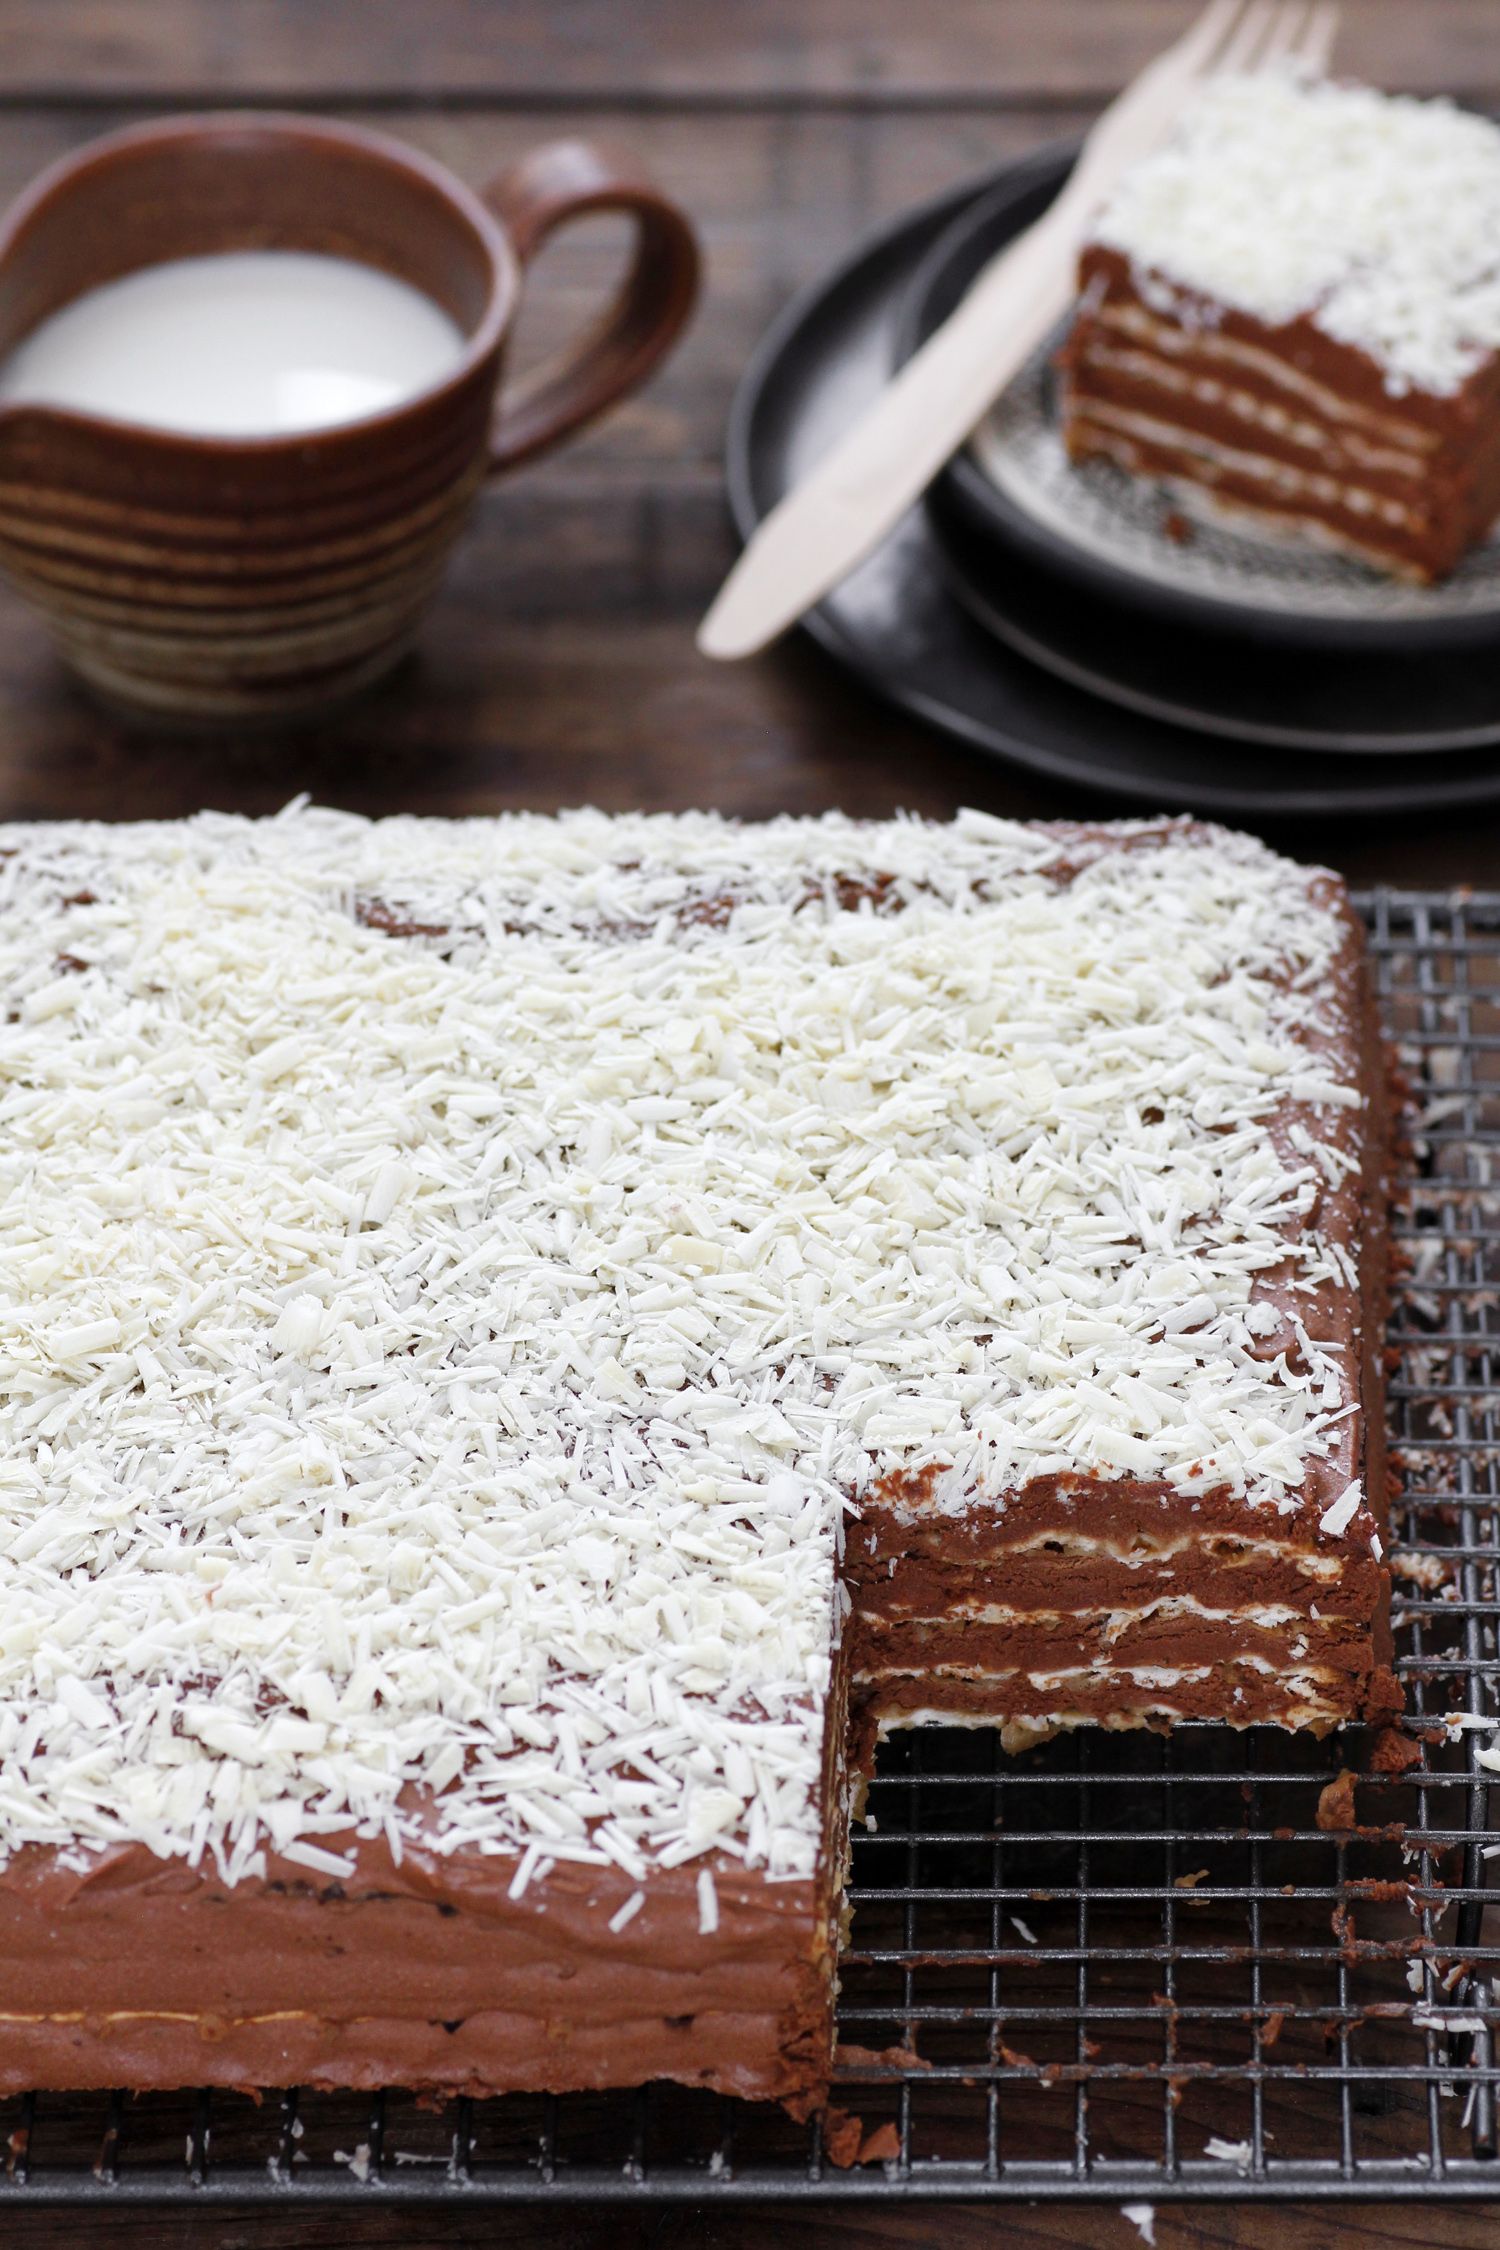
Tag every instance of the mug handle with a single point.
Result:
(566, 180)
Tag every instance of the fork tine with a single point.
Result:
(1241, 50)
(1300, 31)
(1315, 47)
(1203, 41)
(1284, 33)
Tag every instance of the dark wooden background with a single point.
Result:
(558, 667)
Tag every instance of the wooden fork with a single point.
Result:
(844, 508)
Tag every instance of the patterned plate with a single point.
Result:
(1126, 537)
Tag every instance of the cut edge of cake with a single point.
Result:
(1130, 1604)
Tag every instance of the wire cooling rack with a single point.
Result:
(1117, 1966)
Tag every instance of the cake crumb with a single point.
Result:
(842, 2136)
(1336, 1803)
(1394, 1752)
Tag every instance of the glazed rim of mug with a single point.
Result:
(109, 149)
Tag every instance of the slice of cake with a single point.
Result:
(463, 1280)
(1292, 313)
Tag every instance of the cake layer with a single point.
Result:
(425, 1971)
(1028, 1707)
(1034, 1593)
(1175, 382)
(1236, 371)
(1264, 492)
(1263, 1572)
(1173, 1631)
(737, 2053)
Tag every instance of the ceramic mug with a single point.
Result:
(233, 580)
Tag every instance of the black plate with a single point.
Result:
(896, 626)
(1121, 536)
(1291, 698)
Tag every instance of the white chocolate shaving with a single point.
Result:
(624, 1915)
(1340, 1513)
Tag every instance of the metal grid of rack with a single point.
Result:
(1120, 1965)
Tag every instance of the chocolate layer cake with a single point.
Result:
(1291, 314)
(462, 1281)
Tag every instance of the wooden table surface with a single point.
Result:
(558, 666)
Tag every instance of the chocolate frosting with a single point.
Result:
(428, 1969)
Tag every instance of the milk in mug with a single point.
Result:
(241, 344)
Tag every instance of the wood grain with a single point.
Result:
(845, 54)
(813, 2226)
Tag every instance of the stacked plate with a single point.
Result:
(1073, 622)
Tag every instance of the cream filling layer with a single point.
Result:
(1139, 1675)
(1313, 436)
(1021, 1733)
(1231, 1549)
(1116, 1621)
(1204, 504)
(1164, 336)
(1217, 461)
